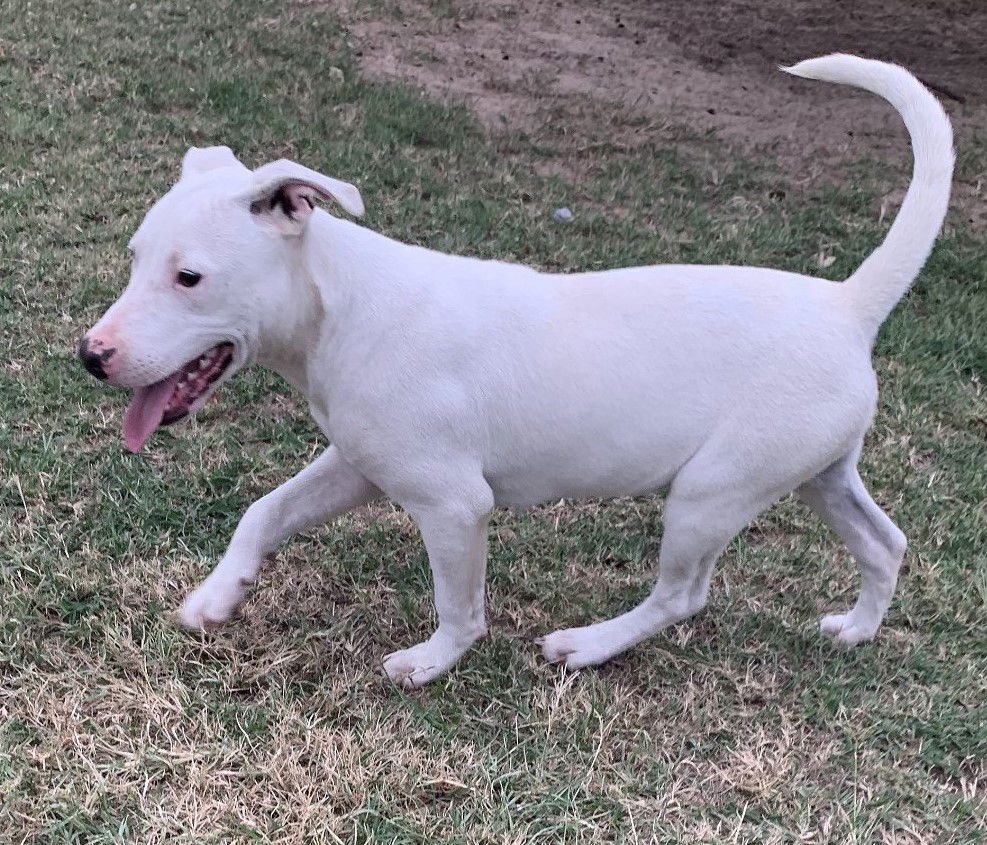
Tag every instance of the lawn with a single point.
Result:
(741, 725)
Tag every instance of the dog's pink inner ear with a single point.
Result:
(298, 200)
(294, 200)
(301, 187)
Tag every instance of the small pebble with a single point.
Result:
(563, 215)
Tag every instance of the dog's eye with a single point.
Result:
(188, 278)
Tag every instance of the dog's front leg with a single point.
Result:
(327, 487)
(455, 537)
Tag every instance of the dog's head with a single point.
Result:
(212, 262)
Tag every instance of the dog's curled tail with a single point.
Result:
(885, 275)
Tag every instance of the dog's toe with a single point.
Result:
(413, 667)
(832, 624)
(555, 648)
(208, 608)
(406, 676)
(576, 648)
(195, 619)
(846, 630)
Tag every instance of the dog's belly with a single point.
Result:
(590, 452)
(567, 480)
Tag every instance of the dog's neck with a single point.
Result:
(289, 332)
(334, 267)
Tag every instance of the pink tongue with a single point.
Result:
(145, 411)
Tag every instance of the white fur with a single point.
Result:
(454, 385)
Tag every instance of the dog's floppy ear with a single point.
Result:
(200, 159)
(284, 193)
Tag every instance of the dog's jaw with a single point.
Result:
(176, 396)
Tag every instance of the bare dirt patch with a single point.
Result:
(708, 66)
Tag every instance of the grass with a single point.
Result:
(741, 725)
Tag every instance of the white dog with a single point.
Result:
(453, 385)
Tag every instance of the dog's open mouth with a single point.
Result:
(173, 398)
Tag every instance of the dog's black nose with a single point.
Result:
(93, 358)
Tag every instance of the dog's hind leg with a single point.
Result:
(838, 495)
(327, 487)
(700, 519)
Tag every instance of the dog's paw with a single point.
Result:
(416, 666)
(211, 604)
(578, 647)
(846, 629)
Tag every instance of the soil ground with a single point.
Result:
(703, 65)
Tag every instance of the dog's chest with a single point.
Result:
(321, 416)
